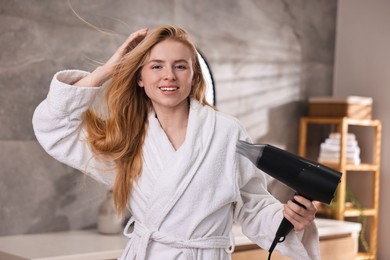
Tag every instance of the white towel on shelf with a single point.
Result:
(330, 150)
(354, 161)
(337, 156)
(331, 141)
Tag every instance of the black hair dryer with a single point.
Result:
(310, 180)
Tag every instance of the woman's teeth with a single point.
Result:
(168, 89)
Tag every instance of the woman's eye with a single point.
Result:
(181, 67)
(156, 67)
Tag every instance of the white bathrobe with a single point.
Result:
(184, 204)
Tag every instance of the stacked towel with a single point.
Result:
(330, 149)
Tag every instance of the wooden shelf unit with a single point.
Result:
(341, 211)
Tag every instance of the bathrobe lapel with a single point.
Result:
(177, 168)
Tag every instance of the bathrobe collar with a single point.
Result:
(177, 167)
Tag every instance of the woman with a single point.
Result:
(169, 156)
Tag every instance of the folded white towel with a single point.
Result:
(330, 149)
(350, 136)
(336, 148)
(354, 161)
(337, 142)
(337, 156)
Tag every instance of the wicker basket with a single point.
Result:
(352, 107)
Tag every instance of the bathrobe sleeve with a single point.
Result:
(260, 214)
(57, 123)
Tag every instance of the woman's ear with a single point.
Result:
(140, 82)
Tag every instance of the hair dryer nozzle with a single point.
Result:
(250, 151)
(311, 180)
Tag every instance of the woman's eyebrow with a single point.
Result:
(156, 60)
(181, 60)
(162, 61)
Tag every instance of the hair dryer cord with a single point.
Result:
(284, 228)
(277, 240)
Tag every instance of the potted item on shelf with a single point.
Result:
(351, 202)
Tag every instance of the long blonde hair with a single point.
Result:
(120, 135)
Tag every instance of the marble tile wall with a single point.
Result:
(267, 57)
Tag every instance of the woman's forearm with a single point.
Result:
(95, 78)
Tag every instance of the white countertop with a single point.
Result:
(69, 245)
(326, 228)
(90, 245)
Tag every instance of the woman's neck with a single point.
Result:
(174, 123)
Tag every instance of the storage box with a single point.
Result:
(352, 107)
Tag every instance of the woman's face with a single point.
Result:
(167, 75)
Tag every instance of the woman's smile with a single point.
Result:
(169, 89)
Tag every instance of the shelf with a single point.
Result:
(354, 167)
(358, 212)
(339, 120)
(348, 212)
(361, 167)
(363, 256)
(339, 209)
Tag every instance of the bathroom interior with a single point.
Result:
(269, 63)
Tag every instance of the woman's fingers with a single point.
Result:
(134, 39)
(299, 216)
(131, 42)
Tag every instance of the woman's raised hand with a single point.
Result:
(131, 42)
(104, 72)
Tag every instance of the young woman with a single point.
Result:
(169, 157)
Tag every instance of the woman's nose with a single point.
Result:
(170, 74)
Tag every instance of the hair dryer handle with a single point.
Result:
(284, 228)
